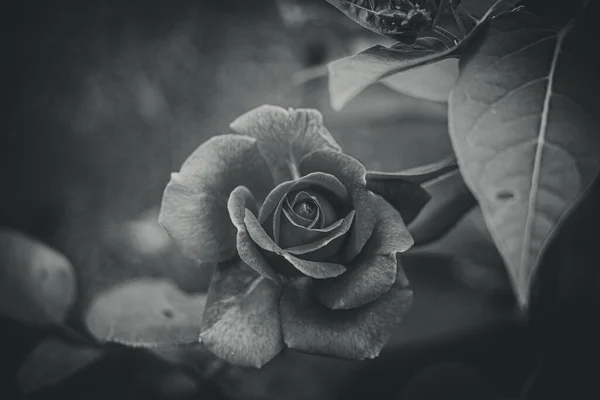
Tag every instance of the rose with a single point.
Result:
(306, 251)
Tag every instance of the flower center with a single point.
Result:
(306, 209)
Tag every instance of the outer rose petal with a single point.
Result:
(241, 322)
(374, 271)
(352, 174)
(285, 136)
(318, 270)
(239, 200)
(359, 333)
(194, 205)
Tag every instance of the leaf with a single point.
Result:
(37, 283)
(523, 126)
(403, 189)
(53, 361)
(351, 75)
(146, 313)
(450, 200)
(430, 82)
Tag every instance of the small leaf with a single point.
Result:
(37, 284)
(146, 313)
(450, 200)
(524, 126)
(403, 189)
(53, 361)
(351, 75)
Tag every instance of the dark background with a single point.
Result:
(101, 100)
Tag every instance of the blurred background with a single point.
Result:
(102, 100)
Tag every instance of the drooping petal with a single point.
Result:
(358, 333)
(239, 200)
(285, 136)
(241, 322)
(315, 269)
(374, 271)
(318, 270)
(194, 205)
(352, 175)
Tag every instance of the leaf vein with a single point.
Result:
(512, 53)
(537, 164)
(503, 97)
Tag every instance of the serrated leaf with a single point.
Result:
(53, 361)
(524, 128)
(37, 283)
(146, 313)
(351, 75)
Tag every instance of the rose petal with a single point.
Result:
(326, 247)
(194, 205)
(390, 234)
(374, 271)
(315, 181)
(239, 200)
(285, 136)
(318, 270)
(241, 319)
(315, 269)
(292, 235)
(352, 175)
(359, 333)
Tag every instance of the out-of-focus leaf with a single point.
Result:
(146, 313)
(524, 127)
(351, 75)
(450, 200)
(53, 361)
(429, 82)
(403, 189)
(37, 284)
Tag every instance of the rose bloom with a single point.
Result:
(305, 252)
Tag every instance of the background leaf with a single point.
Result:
(523, 126)
(146, 313)
(37, 283)
(53, 361)
(429, 82)
(351, 75)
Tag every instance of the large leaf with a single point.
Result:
(351, 75)
(524, 127)
(37, 284)
(53, 361)
(146, 312)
